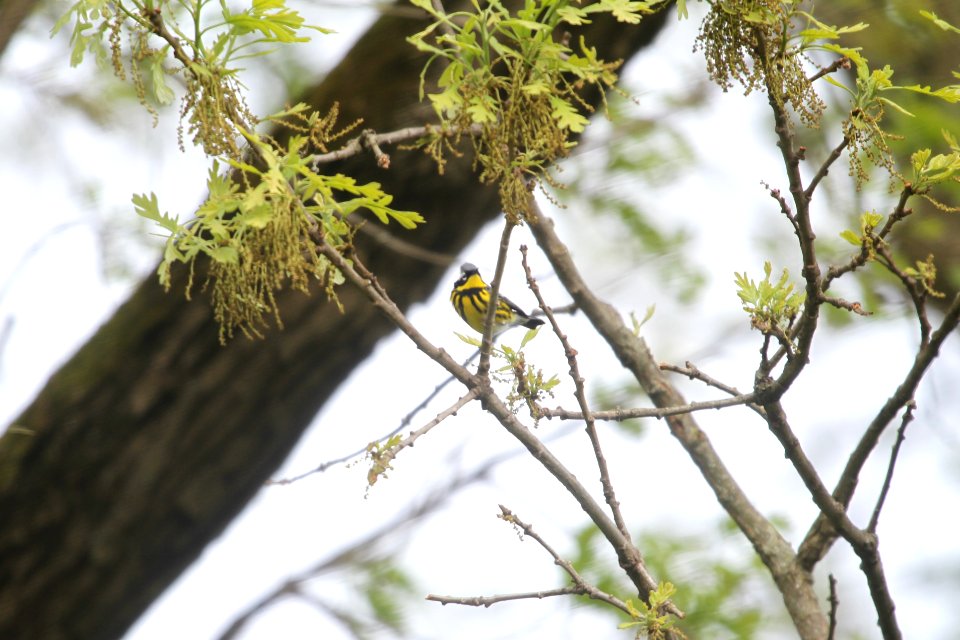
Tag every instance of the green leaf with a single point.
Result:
(837, 83)
(528, 336)
(626, 11)
(536, 88)
(149, 208)
(80, 42)
(158, 77)
(271, 18)
(573, 15)
(869, 221)
(257, 217)
(638, 324)
(850, 237)
(469, 340)
(896, 106)
(481, 110)
(223, 254)
(949, 93)
(943, 24)
(566, 115)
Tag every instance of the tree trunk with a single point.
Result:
(147, 443)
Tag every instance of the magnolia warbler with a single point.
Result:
(471, 296)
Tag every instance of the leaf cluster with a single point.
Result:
(869, 98)
(772, 306)
(517, 78)
(649, 621)
(759, 44)
(207, 41)
(269, 207)
(260, 227)
(528, 384)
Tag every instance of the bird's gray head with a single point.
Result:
(468, 267)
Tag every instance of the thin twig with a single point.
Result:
(840, 303)
(864, 543)
(785, 209)
(840, 63)
(834, 604)
(486, 343)
(487, 601)
(691, 371)
(619, 415)
(820, 536)
(382, 459)
(368, 139)
(579, 587)
(404, 423)
(776, 553)
(580, 394)
(825, 167)
(916, 289)
(398, 245)
(357, 275)
(888, 479)
(803, 227)
(900, 211)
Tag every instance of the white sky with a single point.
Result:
(54, 292)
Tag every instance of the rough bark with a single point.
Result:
(145, 445)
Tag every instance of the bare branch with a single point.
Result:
(798, 595)
(580, 585)
(486, 601)
(486, 344)
(160, 28)
(404, 422)
(879, 591)
(888, 479)
(840, 303)
(371, 140)
(834, 604)
(382, 459)
(803, 227)
(691, 371)
(619, 415)
(864, 543)
(777, 420)
(608, 492)
(825, 167)
(821, 536)
(785, 209)
(917, 291)
(380, 234)
(840, 63)
(628, 555)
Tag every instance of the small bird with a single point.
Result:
(471, 296)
